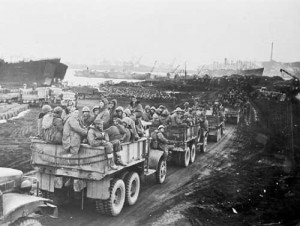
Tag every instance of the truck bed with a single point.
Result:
(90, 162)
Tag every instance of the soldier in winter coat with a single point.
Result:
(73, 133)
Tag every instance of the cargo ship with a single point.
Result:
(44, 72)
(112, 74)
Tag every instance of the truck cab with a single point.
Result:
(17, 204)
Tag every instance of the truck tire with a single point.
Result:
(184, 157)
(100, 206)
(193, 153)
(26, 221)
(114, 205)
(161, 172)
(203, 147)
(133, 186)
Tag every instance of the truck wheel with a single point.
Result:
(184, 157)
(193, 153)
(114, 205)
(132, 185)
(26, 221)
(161, 172)
(203, 147)
(100, 206)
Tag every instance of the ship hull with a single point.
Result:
(110, 75)
(42, 72)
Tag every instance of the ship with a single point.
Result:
(45, 72)
(111, 74)
(252, 72)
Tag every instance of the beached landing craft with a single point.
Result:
(41, 72)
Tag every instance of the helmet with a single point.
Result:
(46, 108)
(165, 113)
(153, 108)
(178, 109)
(186, 104)
(161, 127)
(119, 109)
(58, 110)
(85, 109)
(147, 107)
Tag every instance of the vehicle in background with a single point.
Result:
(35, 97)
(9, 95)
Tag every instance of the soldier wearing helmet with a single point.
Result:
(176, 117)
(187, 119)
(98, 137)
(165, 118)
(86, 118)
(159, 141)
(46, 109)
(53, 134)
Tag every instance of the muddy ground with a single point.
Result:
(239, 181)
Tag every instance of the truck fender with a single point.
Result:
(154, 156)
(17, 205)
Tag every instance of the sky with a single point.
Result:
(195, 32)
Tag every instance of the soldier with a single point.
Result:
(176, 117)
(165, 118)
(160, 142)
(103, 113)
(73, 133)
(45, 110)
(135, 106)
(97, 137)
(86, 118)
(54, 132)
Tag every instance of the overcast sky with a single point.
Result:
(197, 32)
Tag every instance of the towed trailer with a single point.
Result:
(86, 174)
(187, 139)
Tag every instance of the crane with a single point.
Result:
(286, 72)
(152, 69)
(175, 69)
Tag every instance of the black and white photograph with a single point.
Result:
(149, 113)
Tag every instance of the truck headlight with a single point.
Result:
(26, 185)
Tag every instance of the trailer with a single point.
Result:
(186, 139)
(87, 174)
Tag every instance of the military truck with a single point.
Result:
(87, 174)
(186, 139)
(18, 207)
(232, 115)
